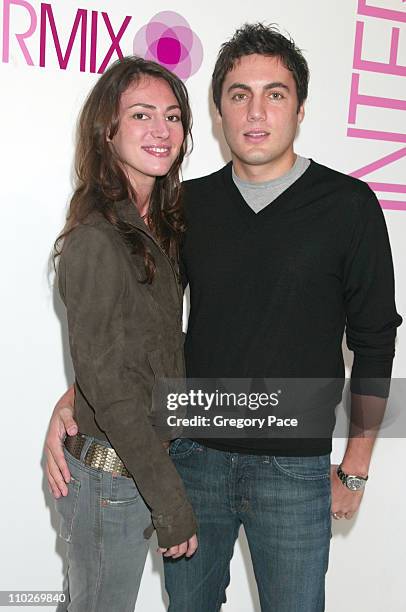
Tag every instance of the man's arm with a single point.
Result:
(367, 412)
(60, 425)
(372, 320)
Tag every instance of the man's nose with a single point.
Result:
(256, 109)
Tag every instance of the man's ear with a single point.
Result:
(300, 114)
(218, 118)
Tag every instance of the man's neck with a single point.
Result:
(262, 173)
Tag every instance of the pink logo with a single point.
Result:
(390, 65)
(169, 40)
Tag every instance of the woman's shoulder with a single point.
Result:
(94, 227)
(92, 237)
(90, 261)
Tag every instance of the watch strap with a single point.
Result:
(343, 476)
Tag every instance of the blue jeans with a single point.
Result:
(284, 504)
(102, 519)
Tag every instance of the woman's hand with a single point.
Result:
(187, 548)
(60, 425)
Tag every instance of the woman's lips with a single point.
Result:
(156, 151)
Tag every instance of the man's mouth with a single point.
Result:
(256, 135)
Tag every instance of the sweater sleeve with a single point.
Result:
(92, 286)
(371, 317)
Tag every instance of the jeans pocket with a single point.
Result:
(66, 507)
(183, 447)
(304, 468)
(123, 492)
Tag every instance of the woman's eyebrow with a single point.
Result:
(152, 107)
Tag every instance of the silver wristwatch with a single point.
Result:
(352, 482)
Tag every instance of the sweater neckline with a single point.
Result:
(275, 206)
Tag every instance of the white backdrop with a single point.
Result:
(39, 105)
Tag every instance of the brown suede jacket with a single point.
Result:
(124, 335)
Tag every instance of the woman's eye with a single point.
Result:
(141, 116)
(173, 118)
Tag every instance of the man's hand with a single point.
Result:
(60, 425)
(186, 548)
(344, 502)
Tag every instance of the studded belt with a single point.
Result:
(97, 455)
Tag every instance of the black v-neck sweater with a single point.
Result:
(271, 292)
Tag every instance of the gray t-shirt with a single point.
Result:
(259, 195)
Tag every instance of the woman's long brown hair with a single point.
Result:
(100, 179)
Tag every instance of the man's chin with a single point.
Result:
(256, 158)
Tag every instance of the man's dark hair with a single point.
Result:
(264, 40)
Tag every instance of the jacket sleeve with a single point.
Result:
(371, 317)
(92, 286)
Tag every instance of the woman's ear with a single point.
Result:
(108, 134)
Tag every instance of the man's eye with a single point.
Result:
(276, 95)
(140, 116)
(173, 118)
(239, 96)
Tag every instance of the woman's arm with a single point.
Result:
(92, 285)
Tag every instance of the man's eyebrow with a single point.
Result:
(152, 107)
(276, 84)
(246, 87)
(238, 86)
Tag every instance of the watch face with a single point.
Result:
(354, 483)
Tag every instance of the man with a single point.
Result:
(281, 254)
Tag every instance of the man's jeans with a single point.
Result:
(284, 504)
(103, 519)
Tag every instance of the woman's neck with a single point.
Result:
(143, 190)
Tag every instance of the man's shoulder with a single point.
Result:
(341, 181)
(202, 185)
(343, 193)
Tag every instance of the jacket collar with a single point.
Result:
(128, 212)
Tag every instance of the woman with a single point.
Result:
(118, 279)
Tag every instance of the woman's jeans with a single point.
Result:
(284, 505)
(102, 519)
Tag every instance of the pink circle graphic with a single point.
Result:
(168, 50)
(169, 40)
